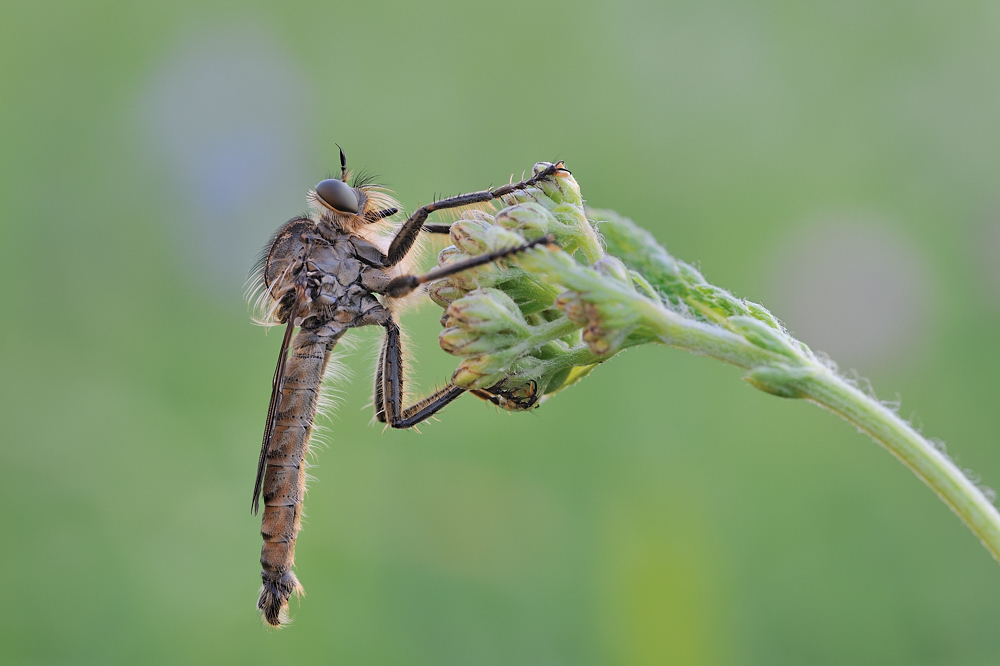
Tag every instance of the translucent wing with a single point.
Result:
(272, 408)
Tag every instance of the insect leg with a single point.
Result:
(409, 230)
(404, 284)
(379, 400)
(390, 372)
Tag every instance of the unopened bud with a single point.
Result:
(561, 187)
(468, 234)
(473, 278)
(497, 238)
(528, 293)
(480, 371)
(573, 307)
(613, 267)
(488, 311)
(463, 342)
(780, 380)
(444, 293)
(529, 219)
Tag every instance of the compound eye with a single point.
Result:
(338, 195)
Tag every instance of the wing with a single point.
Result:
(272, 408)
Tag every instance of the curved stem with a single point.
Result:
(932, 466)
(820, 385)
(817, 383)
(801, 376)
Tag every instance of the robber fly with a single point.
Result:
(323, 274)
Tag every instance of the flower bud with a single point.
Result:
(473, 278)
(613, 268)
(488, 311)
(529, 219)
(514, 361)
(480, 371)
(444, 293)
(468, 234)
(781, 380)
(497, 238)
(573, 307)
(606, 335)
(561, 187)
(463, 342)
(528, 292)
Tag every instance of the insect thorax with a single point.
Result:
(317, 264)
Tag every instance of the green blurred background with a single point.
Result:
(836, 161)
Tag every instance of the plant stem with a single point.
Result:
(809, 379)
(933, 467)
(705, 339)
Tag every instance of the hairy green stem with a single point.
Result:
(818, 384)
(924, 459)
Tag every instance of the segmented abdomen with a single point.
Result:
(285, 477)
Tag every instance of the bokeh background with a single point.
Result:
(837, 162)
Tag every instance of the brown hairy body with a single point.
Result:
(314, 271)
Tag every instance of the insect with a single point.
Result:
(323, 274)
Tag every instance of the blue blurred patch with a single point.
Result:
(226, 116)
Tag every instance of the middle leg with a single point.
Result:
(389, 387)
(400, 286)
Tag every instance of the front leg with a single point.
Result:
(410, 229)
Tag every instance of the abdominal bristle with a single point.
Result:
(335, 376)
(273, 601)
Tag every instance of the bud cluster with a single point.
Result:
(535, 322)
(486, 328)
(505, 323)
